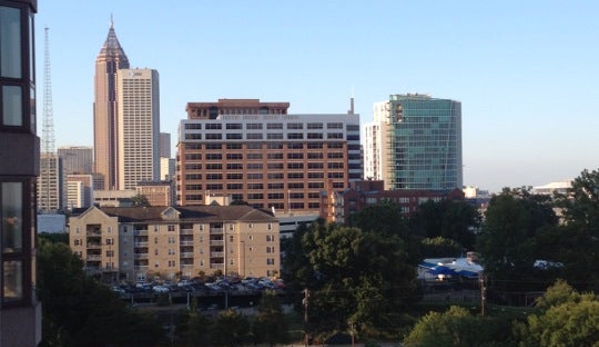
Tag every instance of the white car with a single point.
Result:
(161, 289)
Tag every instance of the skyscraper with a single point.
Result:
(138, 127)
(51, 187)
(111, 58)
(415, 142)
(165, 145)
(76, 159)
(20, 312)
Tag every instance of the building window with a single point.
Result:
(12, 280)
(12, 217)
(171, 228)
(274, 126)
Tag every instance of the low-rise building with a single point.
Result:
(139, 243)
(337, 206)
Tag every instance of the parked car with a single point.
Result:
(160, 289)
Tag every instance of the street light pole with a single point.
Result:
(305, 303)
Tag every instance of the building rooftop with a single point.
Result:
(188, 213)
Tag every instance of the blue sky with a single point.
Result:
(526, 72)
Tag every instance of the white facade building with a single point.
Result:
(138, 127)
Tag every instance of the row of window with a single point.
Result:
(270, 176)
(271, 126)
(270, 136)
(269, 145)
(260, 186)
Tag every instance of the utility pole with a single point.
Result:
(483, 292)
(305, 303)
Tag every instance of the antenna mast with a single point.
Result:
(48, 151)
(48, 126)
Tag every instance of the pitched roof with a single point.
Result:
(112, 47)
(190, 213)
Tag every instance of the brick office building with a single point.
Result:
(256, 152)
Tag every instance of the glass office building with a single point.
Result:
(416, 142)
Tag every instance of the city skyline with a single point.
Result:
(524, 72)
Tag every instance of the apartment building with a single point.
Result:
(20, 312)
(138, 243)
(258, 153)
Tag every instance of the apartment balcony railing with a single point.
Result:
(94, 257)
(217, 242)
(217, 254)
(141, 244)
(94, 245)
(186, 254)
(186, 231)
(217, 265)
(187, 266)
(216, 230)
(141, 232)
(140, 256)
(186, 243)
(94, 233)
(141, 267)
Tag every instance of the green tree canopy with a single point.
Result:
(231, 329)
(270, 325)
(455, 220)
(458, 328)
(78, 311)
(353, 276)
(140, 200)
(565, 319)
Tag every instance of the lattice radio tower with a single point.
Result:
(48, 125)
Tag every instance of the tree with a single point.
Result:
(78, 311)
(455, 220)
(140, 200)
(440, 247)
(231, 329)
(458, 328)
(353, 276)
(507, 242)
(506, 249)
(579, 232)
(565, 318)
(270, 325)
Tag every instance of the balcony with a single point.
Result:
(97, 232)
(217, 254)
(186, 254)
(141, 267)
(216, 231)
(217, 265)
(94, 245)
(187, 266)
(141, 232)
(186, 243)
(140, 256)
(186, 231)
(217, 242)
(94, 257)
(141, 244)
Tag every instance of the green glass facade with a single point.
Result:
(426, 142)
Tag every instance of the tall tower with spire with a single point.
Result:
(111, 59)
